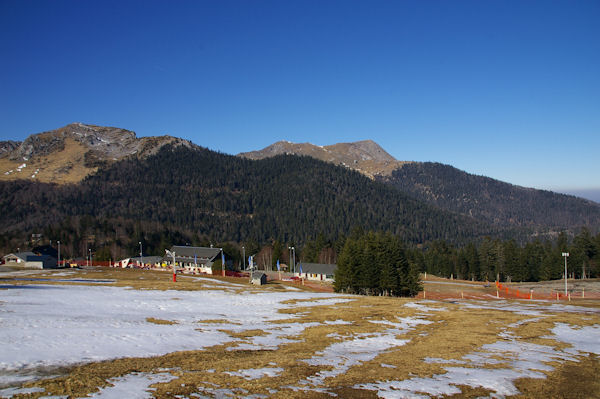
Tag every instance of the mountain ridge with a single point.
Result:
(365, 156)
(75, 151)
(446, 187)
(492, 200)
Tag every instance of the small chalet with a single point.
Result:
(316, 271)
(258, 278)
(193, 259)
(30, 260)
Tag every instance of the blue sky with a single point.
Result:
(507, 89)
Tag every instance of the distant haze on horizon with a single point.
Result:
(508, 90)
(591, 194)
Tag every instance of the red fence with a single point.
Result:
(508, 292)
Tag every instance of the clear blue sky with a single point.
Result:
(508, 89)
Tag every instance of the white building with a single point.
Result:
(30, 260)
(193, 259)
(316, 271)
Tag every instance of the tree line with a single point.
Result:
(505, 260)
(375, 264)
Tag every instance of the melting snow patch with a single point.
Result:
(254, 374)
(584, 339)
(220, 392)
(341, 356)
(214, 281)
(53, 325)
(10, 392)
(422, 308)
(535, 308)
(515, 360)
(337, 322)
(134, 386)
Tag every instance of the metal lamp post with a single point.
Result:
(566, 255)
(169, 253)
(58, 253)
(222, 262)
(243, 258)
(293, 256)
(141, 257)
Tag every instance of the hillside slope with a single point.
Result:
(69, 154)
(492, 200)
(448, 188)
(224, 198)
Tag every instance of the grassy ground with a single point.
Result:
(453, 332)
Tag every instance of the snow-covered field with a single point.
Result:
(45, 327)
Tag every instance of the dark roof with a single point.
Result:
(37, 258)
(203, 253)
(258, 275)
(318, 268)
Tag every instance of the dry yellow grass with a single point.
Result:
(66, 166)
(160, 321)
(453, 332)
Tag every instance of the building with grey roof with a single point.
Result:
(29, 260)
(193, 259)
(316, 271)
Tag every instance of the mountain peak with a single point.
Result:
(72, 152)
(366, 156)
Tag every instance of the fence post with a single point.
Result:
(530, 294)
(583, 293)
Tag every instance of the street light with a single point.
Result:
(169, 253)
(566, 255)
(243, 258)
(58, 253)
(293, 256)
(141, 258)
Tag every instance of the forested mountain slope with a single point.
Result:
(491, 200)
(224, 198)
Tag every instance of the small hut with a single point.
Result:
(258, 278)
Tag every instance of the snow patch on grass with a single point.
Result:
(133, 386)
(512, 358)
(10, 392)
(341, 356)
(56, 325)
(254, 374)
(584, 339)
